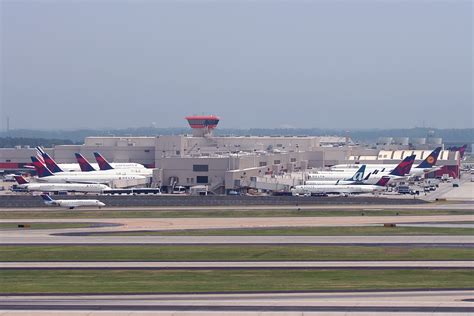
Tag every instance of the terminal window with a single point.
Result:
(202, 179)
(200, 168)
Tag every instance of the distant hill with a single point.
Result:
(9, 142)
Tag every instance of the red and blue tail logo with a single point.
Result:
(102, 162)
(430, 161)
(403, 167)
(383, 181)
(40, 168)
(20, 180)
(83, 163)
(461, 149)
(51, 164)
(39, 154)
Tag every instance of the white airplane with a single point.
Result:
(45, 175)
(70, 203)
(344, 189)
(104, 165)
(358, 176)
(86, 166)
(426, 166)
(400, 171)
(52, 187)
(75, 167)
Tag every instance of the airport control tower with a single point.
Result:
(202, 125)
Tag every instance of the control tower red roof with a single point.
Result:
(203, 121)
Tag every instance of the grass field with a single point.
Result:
(45, 225)
(165, 281)
(290, 212)
(301, 231)
(228, 253)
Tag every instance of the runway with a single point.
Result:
(249, 304)
(242, 265)
(128, 224)
(79, 235)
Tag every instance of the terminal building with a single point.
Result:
(224, 163)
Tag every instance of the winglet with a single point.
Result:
(83, 163)
(102, 162)
(40, 168)
(403, 167)
(430, 161)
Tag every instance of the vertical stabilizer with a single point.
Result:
(83, 163)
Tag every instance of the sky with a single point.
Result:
(324, 64)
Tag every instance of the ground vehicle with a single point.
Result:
(233, 192)
(179, 189)
(404, 189)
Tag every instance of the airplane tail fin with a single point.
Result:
(20, 180)
(359, 175)
(403, 167)
(40, 168)
(462, 150)
(39, 154)
(83, 163)
(430, 161)
(51, 164)
(102, 162)
(383, 181)
(46, 198)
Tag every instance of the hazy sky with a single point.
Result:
(341, 64)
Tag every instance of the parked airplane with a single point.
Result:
(426, 166)
(86, 166)
(104, 165)
(45, 175)
(402, 171)
(55, 169)
(344, 189)
(399, 172)
(358, 176)
(53, 187)
(70, 203)
(74, 167)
